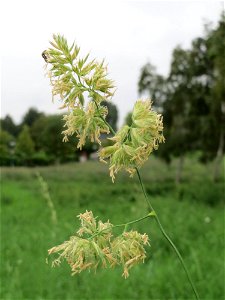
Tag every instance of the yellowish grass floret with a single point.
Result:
(73, 80)
(95, 246)
(86, 123)
(133, 144)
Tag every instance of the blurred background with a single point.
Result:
(169, 51)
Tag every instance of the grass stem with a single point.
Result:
(167, 237)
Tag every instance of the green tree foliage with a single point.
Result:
(52, 138)
(25, 146)
(7, 142)
(216, 45)
(46, 132)
(37, 130)
(179, 95)
(8, 125)
(191, 97)
(31, 116)
(41, 143)
(153, 84)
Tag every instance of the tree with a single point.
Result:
(50, 139)
(216, 45)
(31, 116)
(182, 97)
(191, 98)
(6, 148)
(8, 125)
(25, 146)
(153, 84)
(38, 127)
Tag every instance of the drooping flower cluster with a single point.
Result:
(96, 246)
(133, 144)
(72, 79)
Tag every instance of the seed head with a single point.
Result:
(133, 144)
(95, 246)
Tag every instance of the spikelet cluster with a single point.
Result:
(86, 123)
(74, 79)
(95, 246)
(133, 144)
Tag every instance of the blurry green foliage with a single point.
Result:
(8, 125)
(31, 116)
(25, 146)
(6, 146)
(40, 140)
(191, 98)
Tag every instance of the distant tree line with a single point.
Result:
(37, 140)
(191, 99)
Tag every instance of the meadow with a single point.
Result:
(192, 213)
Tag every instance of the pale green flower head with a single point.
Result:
(133, 144)
(129, 247)
(95, 246)
(72, 76)
(74, 80)
(86, 123)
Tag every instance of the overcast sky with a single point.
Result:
(126, 33)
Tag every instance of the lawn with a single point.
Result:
(192, 213)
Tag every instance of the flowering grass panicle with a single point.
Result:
(86, 123)
(95, 246)
(74, 79)
(129, 248)
(72, 76)
(133, 144)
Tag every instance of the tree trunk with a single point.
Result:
(180, 165)
(219, 157)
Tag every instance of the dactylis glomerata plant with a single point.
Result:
(74, 80)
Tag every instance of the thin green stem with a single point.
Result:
(167, 237)
(110, 127)
(124, 224)
(135, 221)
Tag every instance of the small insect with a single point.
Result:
(45, 55)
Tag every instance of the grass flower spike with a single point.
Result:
(72, 76)
(129, 248)
(95, 246)
(86, 123)
(133, 144)
(73, 80)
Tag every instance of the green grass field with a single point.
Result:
(192, 213)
